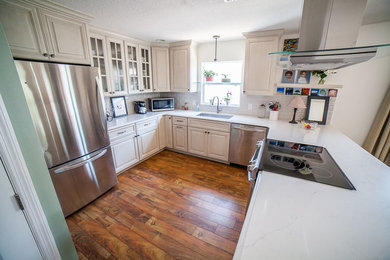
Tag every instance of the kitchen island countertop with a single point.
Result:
(291, 218)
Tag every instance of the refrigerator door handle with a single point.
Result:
(100, 99)
(80, 163)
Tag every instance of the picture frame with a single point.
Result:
(317, 109)
(288, 76)
(119, 107)
(303, 77)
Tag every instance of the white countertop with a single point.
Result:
(291, 218)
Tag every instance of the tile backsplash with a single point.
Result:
(249, 104)
(130, 101)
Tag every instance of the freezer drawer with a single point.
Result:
(80, 181)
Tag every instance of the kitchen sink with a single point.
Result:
(215, 115)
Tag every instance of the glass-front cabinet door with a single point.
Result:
(132, 63)
(146, 72)
(99, 60)
(117, 65)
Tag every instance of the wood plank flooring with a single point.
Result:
(172, 206)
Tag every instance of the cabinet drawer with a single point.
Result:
(121, 131)
(146, 126)
(209, 124)
(179, 120)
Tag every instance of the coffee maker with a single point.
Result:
(140, 107)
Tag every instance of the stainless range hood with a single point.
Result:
(328, 34)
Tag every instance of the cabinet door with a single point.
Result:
(160, 69)
(218, 145)
(67, 37)
(162, 132)
(179, 69)
(117, 70)
(99, 59)
(168, 131)
(132, 66)
(146, 69)
(23, 31)
(259, 75)
(180, 138)
(197, 141)
(125, 153)
(148, 143)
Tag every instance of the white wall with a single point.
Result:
(364, 86)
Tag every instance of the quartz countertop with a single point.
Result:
(291, 218)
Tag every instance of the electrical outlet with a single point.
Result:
(250, 106)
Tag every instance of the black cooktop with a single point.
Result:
(309, 162)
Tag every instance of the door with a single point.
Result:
(258, 65)
(117, 66)
(23, 31)
(168, 131)
(148, 143)
(218, 145)
(80, 181)
(146, 69)
(67, 37)
(180, 138)
(160, 63)
(125, 152)
(132, 66)
(180, 64)
(99, 59)
(197, 141)
(67, 109)
(16, 240)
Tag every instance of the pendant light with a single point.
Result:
(216, 37)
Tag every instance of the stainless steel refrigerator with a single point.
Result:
(67, 107)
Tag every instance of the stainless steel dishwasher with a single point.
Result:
(243, 140)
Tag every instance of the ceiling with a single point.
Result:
(199, 20)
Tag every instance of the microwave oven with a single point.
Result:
(161, 104)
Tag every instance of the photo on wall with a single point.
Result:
(303, 77)
(280, 91)
(297, 91)
(306, 91)
(290, 45)
(289, 91)
(332, 93)
(288, 76)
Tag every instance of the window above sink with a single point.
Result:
(227, 79)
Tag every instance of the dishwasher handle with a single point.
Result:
(254, 129)
(254, 163)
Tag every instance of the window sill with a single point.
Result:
(222, 105)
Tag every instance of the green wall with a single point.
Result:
(13, 97)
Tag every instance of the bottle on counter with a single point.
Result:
(197, 108)
(262, 111)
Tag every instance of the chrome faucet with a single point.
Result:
(212, 103)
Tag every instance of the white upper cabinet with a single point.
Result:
(117, 66)
(23, 31)
(67, 38)
(183, 67)
(99, 59)
(45, 31)
(259, 66)
(160, 69)
(132, 65)
(146, 68)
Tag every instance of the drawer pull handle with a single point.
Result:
(179, 127)
(146, 124)
(181, 121)
(122, 132)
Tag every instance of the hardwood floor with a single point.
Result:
(172, 206)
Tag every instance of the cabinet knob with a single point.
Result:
(243, 91)
(46, 54)
(52, 55)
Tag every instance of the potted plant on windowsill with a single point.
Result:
(227, 98)
(225, 78)
(209, 75)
